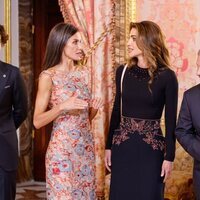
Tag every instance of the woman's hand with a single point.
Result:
(94, 106)
(97, 103)
(73, 103)
(166, 169)
(108, 159)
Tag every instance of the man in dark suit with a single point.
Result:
(188, 128)
(13, 111)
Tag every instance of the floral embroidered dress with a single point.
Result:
(135, 137)
(70, 170)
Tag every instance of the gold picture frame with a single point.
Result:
(7, 18)
(130, 16)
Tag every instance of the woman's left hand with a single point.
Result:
(97, 103)
(166, 169)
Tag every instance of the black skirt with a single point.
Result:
(137, 156)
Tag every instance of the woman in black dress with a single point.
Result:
(137, 154)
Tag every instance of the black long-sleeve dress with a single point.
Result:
(135, 138)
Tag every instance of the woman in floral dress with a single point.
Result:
(63, 88)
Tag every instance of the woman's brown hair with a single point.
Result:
(151, 42)
(57, 40)
(3, 35)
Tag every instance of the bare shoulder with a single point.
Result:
(48, 72)
(45, 80)
(83, 68)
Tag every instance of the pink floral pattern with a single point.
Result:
(149, 129)
(70, 160)
(176, 48)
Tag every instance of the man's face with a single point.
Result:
(198, 64)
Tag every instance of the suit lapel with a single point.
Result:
(4, 73)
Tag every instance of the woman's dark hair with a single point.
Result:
(57, 40)
(3, 35)
(151, 42)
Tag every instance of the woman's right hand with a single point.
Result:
(73, 103)
(108, 159)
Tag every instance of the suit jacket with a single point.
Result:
(188, 129)
(13, 111)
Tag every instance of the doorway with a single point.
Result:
(46, 14)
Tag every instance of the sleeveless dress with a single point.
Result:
(70, 159)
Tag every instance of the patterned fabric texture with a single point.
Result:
(70, 169)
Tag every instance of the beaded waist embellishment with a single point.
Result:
(149, 129)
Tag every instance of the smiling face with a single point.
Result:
(73, 48)
(133, 49)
